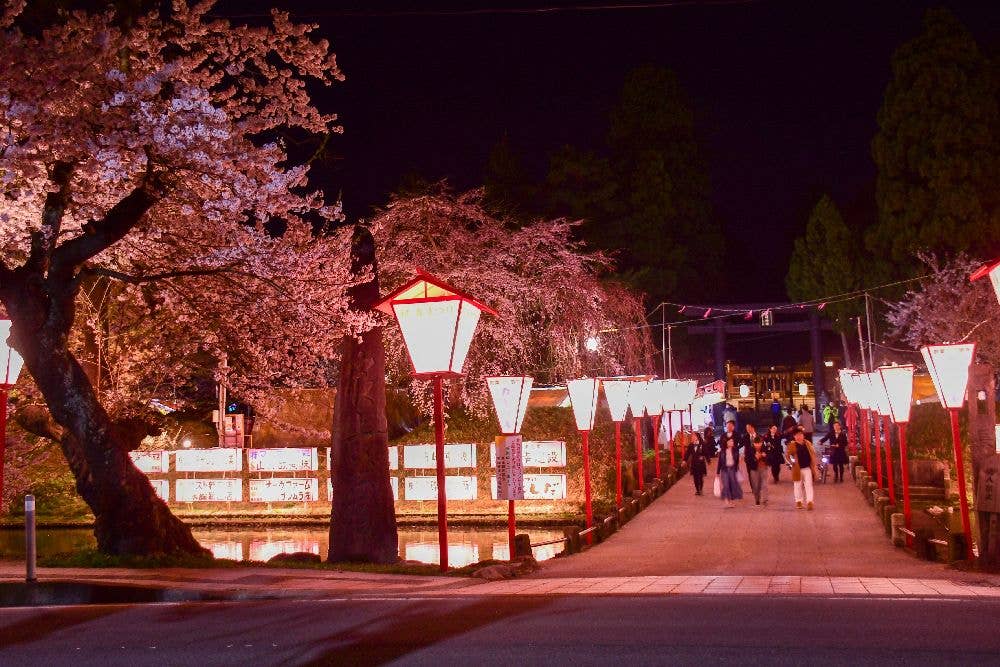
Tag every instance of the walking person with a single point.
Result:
(756, 463)
(802, 458)
(775, 452)
(729, 466)
(709, 441)
(697, 460)
(775, 411)
(807, 422)
(838, 446)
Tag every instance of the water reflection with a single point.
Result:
(465, 545)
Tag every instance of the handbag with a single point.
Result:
(740, 476)
(717, 488)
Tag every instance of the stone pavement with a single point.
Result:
(683, 534)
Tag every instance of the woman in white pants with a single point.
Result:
(802, 458)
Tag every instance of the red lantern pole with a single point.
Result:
(586, 481)
(670, 432)
(510, 528)
(618, 463)
(878, 452)
(866, 440)
(887, 435)
(439, 461)
(637, 427)
(906, 478)
(656, 443)
(963, 499)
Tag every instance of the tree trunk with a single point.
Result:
(129, 518)
(363, 515)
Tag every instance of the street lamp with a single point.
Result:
(652, 398)
(949, 369)
(637, 404)
(510, 400)
(871, 403)
(583, 398)
(616, 391)
(744, 390)
(803, 389)
(897, 382)
(883, 409)
(437, 321)
(11, 366)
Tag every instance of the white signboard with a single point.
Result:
(287, 489)
(421, 457)
(209, 490)
(538, 487)
(538, 454)
(456, 487)
(149, 462)
(393, 484)
(282, 459)
(216, 459)
(510, 471)
(162, 488)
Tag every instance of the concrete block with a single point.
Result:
(897, 522)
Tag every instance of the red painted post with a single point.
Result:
(439, 462)
(878, 453)
(637, 427)
(3, 432)
(670, 433)
(510, 527)
(887, 435)
(586, 481)
(866, 440)
(963, 499)
(656, 443)
(904, 466)
(618, 463)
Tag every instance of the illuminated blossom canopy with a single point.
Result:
(226, 261)
(547, 289)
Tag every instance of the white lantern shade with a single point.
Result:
(879, 401)
(803, 389)
(583, 398)
(744, 391)
(897, 382)
(437, 322)
(668, 394)
(510, 399)
(9, 357)
(651, 397)
(637, 398)
(686, 392)
(617, 391)
(948, 366)
(993, 271)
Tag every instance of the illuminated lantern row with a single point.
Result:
(948, 366)
(617, 393)
(583, 397)
(897, 386)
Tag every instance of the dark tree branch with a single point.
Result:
(153, 277)
(102, 234)
(44, 240)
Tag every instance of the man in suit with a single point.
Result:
(754, 456)
(697, 460)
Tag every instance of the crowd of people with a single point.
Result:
(747, 455)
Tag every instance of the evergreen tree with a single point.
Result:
(825, 263)
(936, 148)
(508, 188)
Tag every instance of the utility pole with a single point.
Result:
(670, 349)
(868, 318)
(861, 346)
(663, 337)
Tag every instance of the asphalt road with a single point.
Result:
(702, 630)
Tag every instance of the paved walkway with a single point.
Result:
(684, 534)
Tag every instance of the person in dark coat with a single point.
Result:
(775, 452)
(697, 460)
(838, 449)
(729, 465)
(708, 440)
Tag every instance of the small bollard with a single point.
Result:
(29, 538)
(522, 545)
(898, 522)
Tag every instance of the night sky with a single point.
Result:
(785, 95)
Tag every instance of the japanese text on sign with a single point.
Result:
(288, 489)
(216, 459)
(538, 454)
(149, 462)
(282, 459)
(538, 487)
(455, 456)
(209, 490)
(510, 470)
(456, 487)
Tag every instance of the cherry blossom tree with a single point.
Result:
(144, 177)
(549, 290)
(947, 308)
